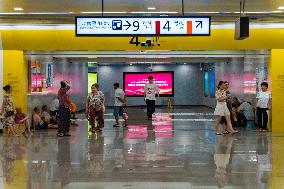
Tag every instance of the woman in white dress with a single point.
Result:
(222, 110)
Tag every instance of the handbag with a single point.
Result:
(10, 113)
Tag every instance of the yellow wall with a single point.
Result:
(277, 75)
(15, 74)
(220, 39)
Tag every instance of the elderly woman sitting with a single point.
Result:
(22, 118)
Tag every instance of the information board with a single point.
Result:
(143, 26)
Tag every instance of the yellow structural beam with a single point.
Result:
(220, 39)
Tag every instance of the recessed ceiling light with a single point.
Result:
(151, 8)
(104, 12)
(162, 12)
(281, 7)
(18, 9)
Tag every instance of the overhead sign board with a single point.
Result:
(143, 26)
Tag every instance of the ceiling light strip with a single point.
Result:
(138, 12)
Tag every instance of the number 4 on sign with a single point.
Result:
(167, 26)
(134, 40)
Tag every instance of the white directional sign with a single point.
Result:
(142, 26)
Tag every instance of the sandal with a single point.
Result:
(235, 132)
(94, 130)
(116, 126)
(226, 132)
(60, 134)
(218, 134)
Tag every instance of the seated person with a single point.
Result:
(244, 113)
(247, 110)
(235, 105)
(235, 102)
(22, 118)
(54, 107)
(47, 119)
(38, 123)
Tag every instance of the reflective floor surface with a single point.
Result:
(177, 150)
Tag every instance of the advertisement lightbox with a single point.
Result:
(134, 83)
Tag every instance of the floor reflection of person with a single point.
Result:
(95, 161)
(64, 161)
(264, 167)
(223, 148)
(8, 156)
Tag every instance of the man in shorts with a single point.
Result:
(119, 105)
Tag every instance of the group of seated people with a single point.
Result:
(41, 119)
(44, 119)
(242, 112)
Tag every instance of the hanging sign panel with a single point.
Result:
(143, 26)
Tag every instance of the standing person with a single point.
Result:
(101, 93)
(150, 91)
(222, 110)
(95, 108)
(8, 111)
(119, 104)
(263, 105)
(229, 96)
(64, 110)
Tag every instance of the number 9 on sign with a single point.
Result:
(136, 25)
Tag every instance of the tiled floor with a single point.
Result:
(175, 151)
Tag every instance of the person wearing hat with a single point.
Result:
(150, 91)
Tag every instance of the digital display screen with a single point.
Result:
(206, 83)
(142, 26)
(212, 82)
(134, 83)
